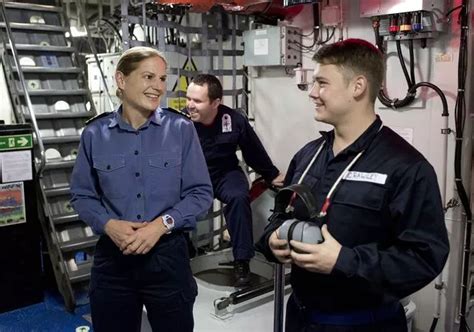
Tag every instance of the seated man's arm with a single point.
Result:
(255, 154)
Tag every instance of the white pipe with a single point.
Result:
(341, 22)
(439, 283)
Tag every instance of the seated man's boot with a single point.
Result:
(242, 273)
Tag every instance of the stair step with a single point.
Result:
(61, 115)
(59, 164)
(83, 273)
(46, 93)
(36, 27)
(33, 6)
(33, 47)
(65, 218)
(59, 191)
(60, 139)
(49, 70)
(79, 243)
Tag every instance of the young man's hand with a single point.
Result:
(280, 248)
(320, 258)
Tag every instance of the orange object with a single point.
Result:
(197, 5)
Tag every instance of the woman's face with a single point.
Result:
(142, 88)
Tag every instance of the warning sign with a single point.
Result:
(182, 85)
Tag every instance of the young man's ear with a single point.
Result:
(360, 86)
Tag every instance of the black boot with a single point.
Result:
(242, 273)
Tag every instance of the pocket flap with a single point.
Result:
(164, 160)
(227, 138)
(109, 163)
(361, 194)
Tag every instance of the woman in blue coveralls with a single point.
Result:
(139, 181)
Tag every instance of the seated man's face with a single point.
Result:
(200, 108)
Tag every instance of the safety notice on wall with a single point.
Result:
(16, 166)
(12, 204)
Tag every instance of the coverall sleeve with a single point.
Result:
(85, 191)
(420, 249)
(196, 188)
(255, 154)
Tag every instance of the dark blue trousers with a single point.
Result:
(298, 319)
(161, 280)
(232, 188)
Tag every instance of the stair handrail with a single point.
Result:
(11, 41)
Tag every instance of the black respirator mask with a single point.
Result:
(293, 228)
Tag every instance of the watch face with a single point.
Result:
(168, 221)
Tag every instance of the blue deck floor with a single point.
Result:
(47, 316)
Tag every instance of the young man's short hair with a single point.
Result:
(355, 57)
(214, 86)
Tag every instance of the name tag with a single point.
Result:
(366, 177)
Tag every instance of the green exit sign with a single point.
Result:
(16, 142)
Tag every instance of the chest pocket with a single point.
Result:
(364, 195)
(164, 172)
(227, 138)
(358, 213)
(111, 174)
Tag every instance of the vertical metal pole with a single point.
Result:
(279, 298)
(220, 59)
(205, 44)
(125, 29)
(161, 33)
(235, 104)
(144, 24)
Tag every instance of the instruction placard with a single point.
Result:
(16, 166)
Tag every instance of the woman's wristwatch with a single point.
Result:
(168, 221)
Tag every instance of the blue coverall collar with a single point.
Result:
(117, 120)
(360, 143)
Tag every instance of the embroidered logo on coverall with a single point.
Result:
(226, 123)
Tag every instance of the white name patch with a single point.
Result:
(366, 177)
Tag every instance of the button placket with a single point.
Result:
(140, 186)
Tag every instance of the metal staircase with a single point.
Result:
(48, 89)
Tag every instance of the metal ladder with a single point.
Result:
(48, 89)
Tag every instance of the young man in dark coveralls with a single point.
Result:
(383, 225)
(221, 131)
